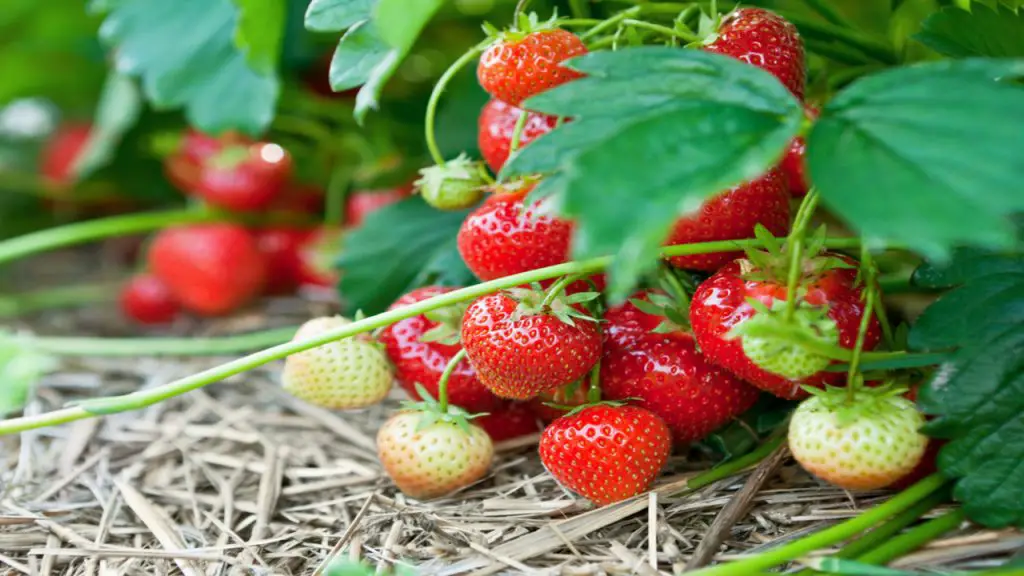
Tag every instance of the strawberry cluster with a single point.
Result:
(215, 269)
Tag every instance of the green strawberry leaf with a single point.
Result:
(700, 123)
(337, 15)
(360, 51)
(967, 264)
(398, 248)
(888, 154)
(969, 311)
(118, 110)
(400, 21)
(206, 74)
(983, 31)
(260, 32)
(21, 367)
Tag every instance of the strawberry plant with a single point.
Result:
(637, 234)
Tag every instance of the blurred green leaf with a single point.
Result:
(369, 95)
(359, 53)
(260, 32)
(983, 31)
(117, 112)
(205, 73)
(655, 132)
(400, 21)
(967, 264)
(337, 15)
(398, 248)
(888, 154)
(21, 367)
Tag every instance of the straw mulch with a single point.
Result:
(240, 478)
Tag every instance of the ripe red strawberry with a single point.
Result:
(281, 248)
(606, 453)
(793, 162)
(519, 65)
(147, 300)
(572, 396)
(766, 40)
(497, 124)
(500, 238)
(244, 177)
(340, 375)
(419, 360)
(211, 269)
(865, 444)
(302, 199)
(668, 376)
(432, 460)
(362, 203)
(509, 421)
(733, 215)
(720, 304)
(62, 151)
(520, 349)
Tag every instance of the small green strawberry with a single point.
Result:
(344, 374)
(861, 442)
(783, 357)
(455, 185)
(428, 454)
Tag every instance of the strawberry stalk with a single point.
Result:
(829, 536)
(914, 538)
(442, 384)
(686, 37)
(556, 289)
(868, 271)
(435, 97)
(151, 396)
(27, 302)
(736, 466)
(517, 132)
(795, 245)
(110, 347)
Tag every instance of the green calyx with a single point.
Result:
(449, 325)
(230, 157)
(524, 25)
(771, 264)
(535, 302)
(666, 307)
(783, 345)
(454, 185)
(861, 402)
(577, 409)
(432, 413)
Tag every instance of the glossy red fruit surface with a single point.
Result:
(244, 178)
(518, 357)
(720, 303)
(515, 69)
(424, 362)
(509, 421)
(664, 373)
(62, 151)
(766, 40)
(499, 238)
(281, 248)
(147, 300)
(211, 269)
(733, 215)
(362, 203)
(606, 453)
(497, 125)
(318, 252)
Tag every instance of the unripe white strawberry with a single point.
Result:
(773, 354)
(863, 443)
(427, 461)
(349, 373)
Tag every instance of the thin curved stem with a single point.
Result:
(611, 22)
(735, 466)
(76, 346)
(80, 232)
(557, 289)
(795, 245)
(435, 97)
(62, 297)
(149, 397)
(829, 536)
(914, 538)
(517, 132)
(442, 384)
(663, 30)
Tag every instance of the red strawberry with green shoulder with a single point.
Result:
(738, 314)
(421, 347)
(651, 359)
(606, 452)
(523, 342)
(526, 60)
(766, 40)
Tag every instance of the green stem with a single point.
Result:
(664, 30)
(676, 288)
(517, 132)
(149, 397)
(76, 346)
(337, 189)
(838, 52)
(557, 289)
(594, 388)
(828, 536)
(29, 302)
(868, 270)
(586, 22)
(442, 384)
(521, 7)
(913, 539)
(80, 232)
(825, 9)
(611, 22)
(897, 283)
(579, 8)
(870, 45)
(735, 466)
(795, 245)
(893, 361)
(435, 97)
